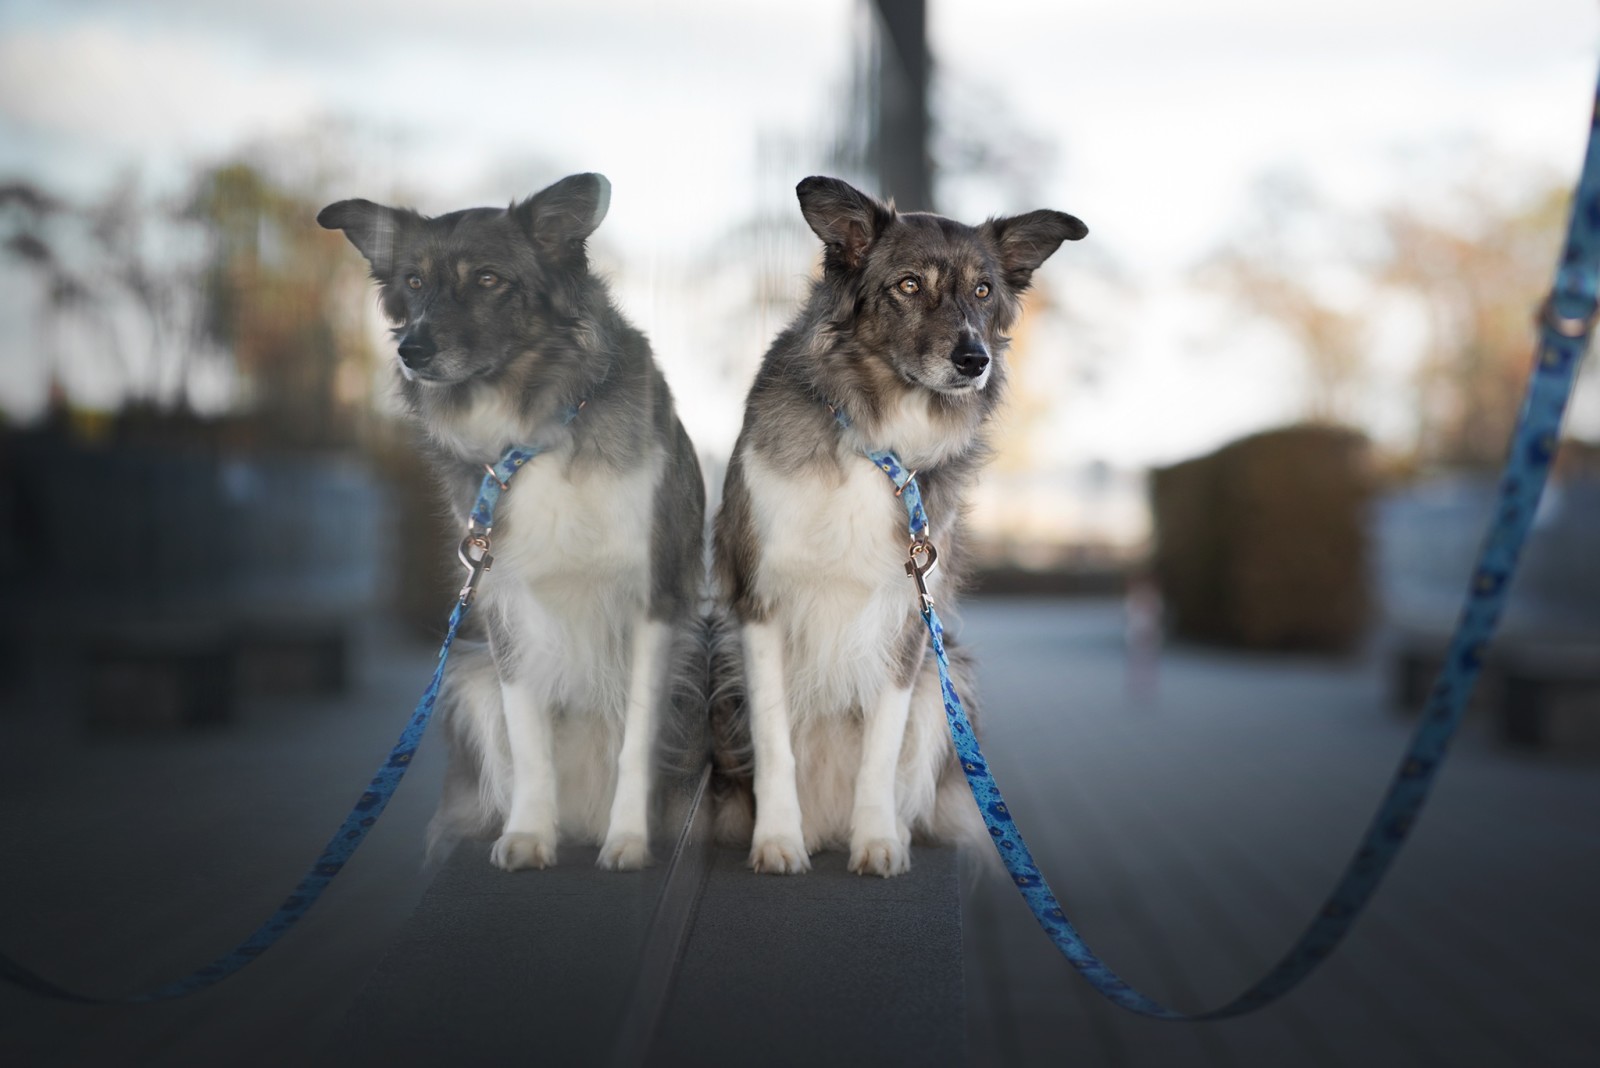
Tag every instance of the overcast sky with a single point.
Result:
(1161, 114)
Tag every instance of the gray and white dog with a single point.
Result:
(501, 330)
(828, 723)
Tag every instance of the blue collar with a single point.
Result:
(904, 479)
(473, 552)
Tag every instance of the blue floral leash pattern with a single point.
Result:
(1565, 322)
(474, 554)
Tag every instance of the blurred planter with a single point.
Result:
(1263, 543)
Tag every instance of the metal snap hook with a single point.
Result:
(922, 559)
(473, 552)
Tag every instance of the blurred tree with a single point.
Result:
(27, 212)
(1477, 271)
(150, 284)
(48, 237)
(139, 290)
(1273, 271)
(277, 292)
(1470, 258)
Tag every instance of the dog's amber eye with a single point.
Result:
(414, 281)
(982, 292)
(488, 279)
(908, 285)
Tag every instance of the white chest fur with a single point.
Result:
(571, 575)
(562, 527)
(910, 429)
(831, 562)
(482, 430)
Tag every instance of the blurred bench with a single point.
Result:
(1523, 679)
(1547, 649)
(175, 578)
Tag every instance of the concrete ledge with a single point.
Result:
(498, 968)
(827, 968)
(695, 961)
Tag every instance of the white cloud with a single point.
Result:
(103, 82)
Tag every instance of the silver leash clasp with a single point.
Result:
(1563, 325)
(922, 558)
(473, 552)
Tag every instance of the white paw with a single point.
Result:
(880, 856)
(779, 854)
(624, 852)
(516, 850)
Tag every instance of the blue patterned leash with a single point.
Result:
(474, 554)
(1565, 320)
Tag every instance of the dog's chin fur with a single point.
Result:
(827, 715)
(582, 651)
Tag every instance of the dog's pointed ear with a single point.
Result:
(561, 217)
(371, 228)
(1026, 241)
(847, 220)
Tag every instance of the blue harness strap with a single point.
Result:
(1565, 321)
(353, 831)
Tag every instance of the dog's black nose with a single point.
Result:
(970, 357)
(417, 350)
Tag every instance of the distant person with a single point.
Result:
(1143, 610)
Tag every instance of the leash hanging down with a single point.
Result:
(1565, 322)
(474, 554)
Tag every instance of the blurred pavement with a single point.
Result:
(1191, 833)
(131, 859)
(1191, 836)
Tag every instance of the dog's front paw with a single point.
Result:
(880, 856)
(624, 852)
(516, 850)
(779, 854)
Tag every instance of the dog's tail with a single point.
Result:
(732, 753)
(682, 743)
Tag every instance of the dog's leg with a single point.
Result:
(877, 846)
(627, 843)
(777, 845)
(880, 844)
(529, 838)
